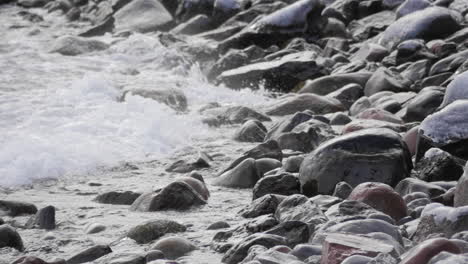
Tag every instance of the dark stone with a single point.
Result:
(293, 164)
(113, 197)
(283, 74)
(16, 208)
(424, 104)
(342, 190)
(268, 149)
(282, 184)
(251, 131)
(438, 165)
(295, 232)
(218, 225)
(153, 230)
(9, 237)
(348, 94)
(181, 166)
(44, 219)
(175, 196)
(370, 52)
(244, 175)
(377, 155)
(372, 25)
(239, 251)
(90, 254)
(264, 205)
(428, 24)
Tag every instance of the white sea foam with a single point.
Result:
(60, 115)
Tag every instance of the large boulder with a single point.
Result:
(282, 74)
(142, 16)
(446, 129)
(178, 195)
(428, 24)
(152, 230)
(327, 84)
(297, 103)
(375, 155)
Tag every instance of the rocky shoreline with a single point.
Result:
(359, 157)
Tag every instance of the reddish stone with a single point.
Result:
(282, 249)
(381, 197)
(411, 137)
(338, 247)
(423, 253)
(379, 114)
